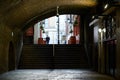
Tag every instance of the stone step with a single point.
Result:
(65, 56)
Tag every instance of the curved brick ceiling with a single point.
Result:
(20, 12)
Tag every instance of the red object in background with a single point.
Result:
(72, 40)
(76, 28)
(29, 32)
(40, 40)
(40, 33)
(69, 42)
(44, 41)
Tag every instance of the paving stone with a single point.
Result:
(55, 74)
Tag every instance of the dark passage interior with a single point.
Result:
(83, 44)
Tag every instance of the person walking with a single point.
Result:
(47, 39)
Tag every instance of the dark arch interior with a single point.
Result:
(98, 37)
(62, 11)
(11, 57)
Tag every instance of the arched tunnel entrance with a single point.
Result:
(72, 56)
(49, 52)
(38, 56)
(60, 55)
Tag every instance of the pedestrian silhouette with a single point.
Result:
(47, 39)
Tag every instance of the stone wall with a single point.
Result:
(8, 36)
(118, 45)
(5, 38)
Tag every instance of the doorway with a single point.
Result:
(11, 57)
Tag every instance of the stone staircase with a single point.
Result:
(53, 57)
(70, 57)
(36, 56)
